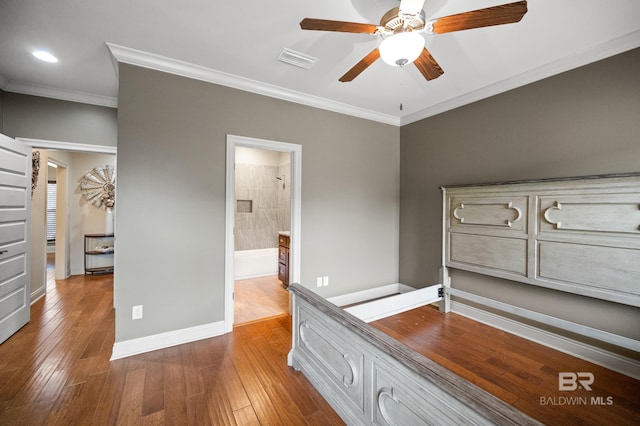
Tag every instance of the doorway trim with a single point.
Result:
(68, 146)
(295, 150)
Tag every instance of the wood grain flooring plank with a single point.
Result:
(153, 395)
(218, 405)
(106, 411)
(62, 410)
(274, 371)
(130, 410)
(76, 403)
(285, 404)
(262, 405)
(324, 410)
(155, 419)
(175, 406)
(246, 417)
(514, 369)
(232, 386)
(30, 387)
(27, 415)
(197, 411)
(194, 384)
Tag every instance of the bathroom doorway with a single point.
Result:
(263, 204)
(262, 215)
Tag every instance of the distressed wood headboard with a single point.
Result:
(576, 235)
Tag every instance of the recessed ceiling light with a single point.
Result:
(43, 55)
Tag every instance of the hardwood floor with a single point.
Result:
(259, 298)
(56, 371)
(51, 263)
(518, 371)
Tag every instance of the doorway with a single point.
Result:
(67, 260)
(286, 176)
(57, 262)
(262, 218)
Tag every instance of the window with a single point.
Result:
(51, 211)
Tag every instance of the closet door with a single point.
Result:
(15, 231)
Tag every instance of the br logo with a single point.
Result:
(568, 381)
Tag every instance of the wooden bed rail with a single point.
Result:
(370, 378)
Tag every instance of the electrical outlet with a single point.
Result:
(136, 312)
(325, 281)
(319, 281)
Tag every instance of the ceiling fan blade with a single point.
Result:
(428, 66)
(496, 15)
(373, 56)
(341, 26)
(411, 7)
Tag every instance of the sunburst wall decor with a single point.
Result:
(98, 186)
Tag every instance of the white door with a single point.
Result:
(15, 231)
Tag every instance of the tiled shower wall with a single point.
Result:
(284, 197)
(270, 205)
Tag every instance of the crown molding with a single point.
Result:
(64, 95)
(160, 63)
(173, 66)
(602, 51)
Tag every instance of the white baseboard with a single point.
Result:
(581, 350)
(369, 294)
(37, 295)
(165, 340)
(258, 275)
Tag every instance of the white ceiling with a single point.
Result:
(236, 43)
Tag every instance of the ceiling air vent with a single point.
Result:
(298, 59)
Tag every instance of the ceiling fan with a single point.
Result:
(401, 29)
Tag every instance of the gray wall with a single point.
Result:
(582, 122)
(51, 119)
(171, 196)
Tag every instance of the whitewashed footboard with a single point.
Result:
(370, 378)
(580, 235)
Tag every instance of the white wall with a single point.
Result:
(85, 218)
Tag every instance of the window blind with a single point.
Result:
(51, 211)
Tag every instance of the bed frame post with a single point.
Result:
(294, 329)
(445, 281)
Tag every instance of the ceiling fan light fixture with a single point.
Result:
(402, 48)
